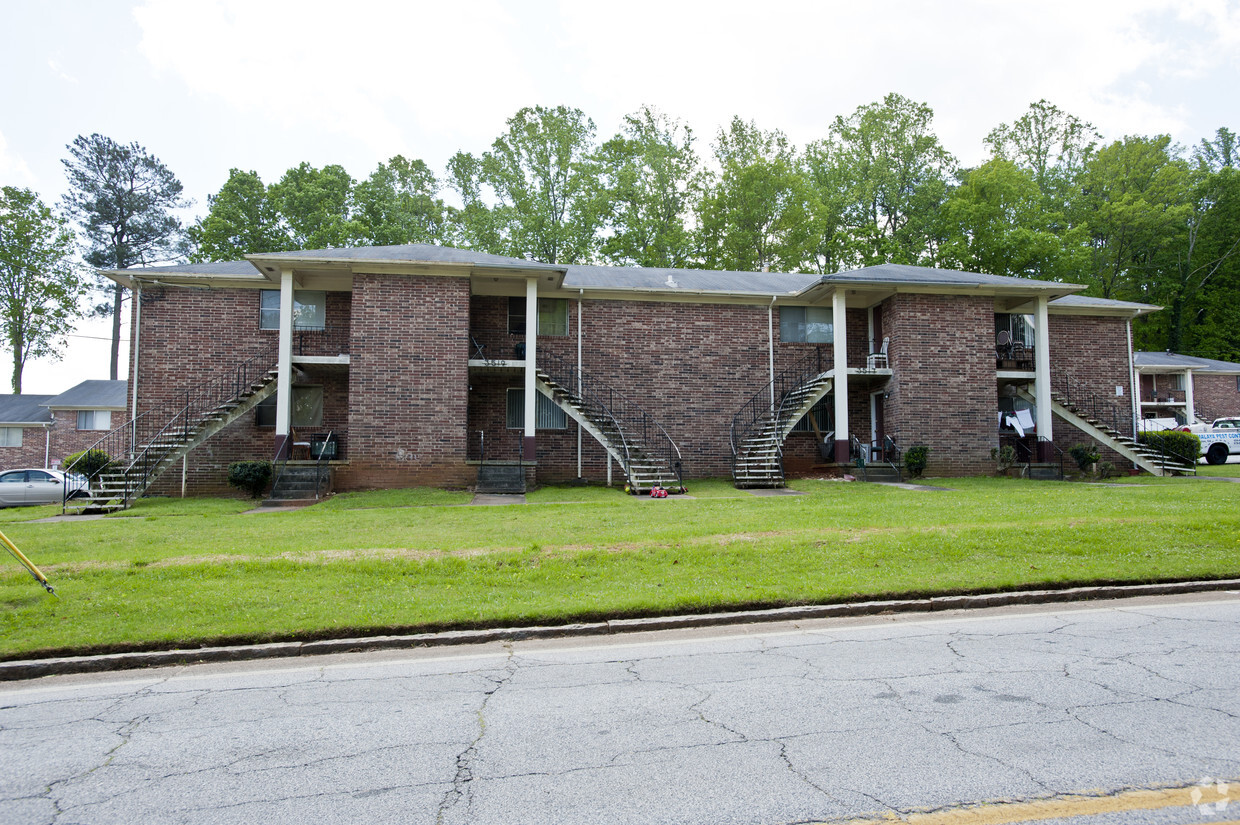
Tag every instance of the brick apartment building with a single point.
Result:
(408, 365)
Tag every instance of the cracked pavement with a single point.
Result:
(774, 723)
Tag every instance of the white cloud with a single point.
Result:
(13, 169)
(370, 70)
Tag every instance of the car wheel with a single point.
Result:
(1217, 454)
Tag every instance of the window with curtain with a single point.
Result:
(806, 325)
(547, 416)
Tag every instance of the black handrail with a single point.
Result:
(635, 428)
(758, 409)
(318, 463)
(137, 448)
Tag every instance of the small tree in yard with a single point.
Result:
(250, 476)
(41, 287)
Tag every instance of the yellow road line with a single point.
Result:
(1063, 807)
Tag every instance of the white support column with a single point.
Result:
(840, 357)
(284, 377)
(1042, 370)
(531, 356)
(1190, 414)
(770, 345)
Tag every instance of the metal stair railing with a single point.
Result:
(1027, 456)
(758, 409)
(146, 440)
(636, 429)
(1168, 459)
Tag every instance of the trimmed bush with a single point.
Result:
(1084, 455)
(250, 476)
(1175, 442)
(90, 463)
(916, 458)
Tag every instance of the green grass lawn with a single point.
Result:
(173, 573)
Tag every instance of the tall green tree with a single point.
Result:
(756, 214)
(241, 219)
(124, 199)
(1221, 152)
(399, 204)
(538, 175)
(899, 173)
(1136, 203)
(830, 193)
(650, 184)
(317, 207)
(1051, 144)
(995, 221)
(41, 287)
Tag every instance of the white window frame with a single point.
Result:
(548, 416)
(11, 436)
(94, 420)
(552, 317)
(309, 309)
(806, 325)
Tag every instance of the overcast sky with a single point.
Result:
(206, 85)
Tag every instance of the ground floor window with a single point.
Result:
(307, 408)
(547, 416)
(806, 325)
(94, 420)
(10, 436)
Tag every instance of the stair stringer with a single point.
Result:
(1101, 436)
(657, 469)
(205, 430)
(761, 448)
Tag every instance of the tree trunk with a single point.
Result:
(17, 367)
(118, 297)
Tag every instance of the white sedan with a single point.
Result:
(19, 488)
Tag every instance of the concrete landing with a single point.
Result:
(496, 499)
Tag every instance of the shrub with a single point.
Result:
(1004, 456)
(915, 459)
(250, 476)
(1105, 469)
(1084, 455)
(1174, 442)
(89, 463)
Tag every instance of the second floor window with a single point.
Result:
(806, 325)
(552, 316)
(309, 309)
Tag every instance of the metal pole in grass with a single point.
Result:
(26, 563)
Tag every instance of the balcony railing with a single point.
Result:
(330, 341)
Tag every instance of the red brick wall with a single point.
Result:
(1216, 396)
(30, 453)
(943, 388)
(408, 383)
(1091, 352)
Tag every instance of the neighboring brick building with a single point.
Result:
(417, 359)
(40, 430)
(1187, 388)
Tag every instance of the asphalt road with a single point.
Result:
(823, 721)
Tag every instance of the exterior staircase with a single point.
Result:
(1101, 421)
(758, 453)
(643, 449)
(298, 484)
(141, 450)
(501, 479)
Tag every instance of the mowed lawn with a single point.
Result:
(174, 573)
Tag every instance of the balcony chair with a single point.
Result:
(878, 360)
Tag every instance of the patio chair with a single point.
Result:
(1003, 345)
(878, 360)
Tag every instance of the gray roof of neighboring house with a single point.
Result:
(409, 253)
(24, 409)
(904, 274)
(1176, 361)
(94, 394)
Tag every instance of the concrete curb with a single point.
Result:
(32, 668)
